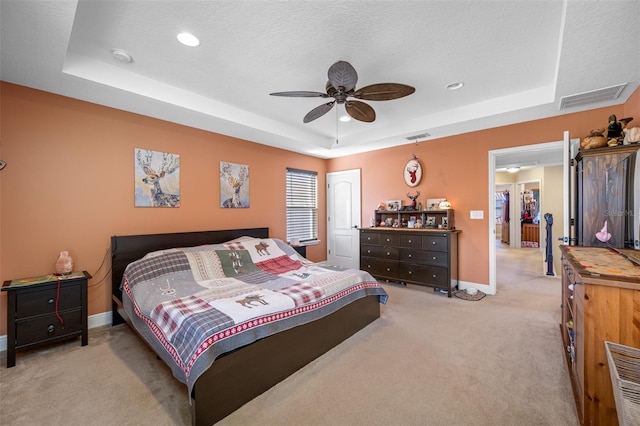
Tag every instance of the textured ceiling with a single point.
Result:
(516, 58)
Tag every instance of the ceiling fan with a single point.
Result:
(342, 86)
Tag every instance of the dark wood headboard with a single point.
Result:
(128, 248)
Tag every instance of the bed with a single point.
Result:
(252, 310)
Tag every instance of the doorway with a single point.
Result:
(537, 156)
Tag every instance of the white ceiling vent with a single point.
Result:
(600, 95)
(417, 137)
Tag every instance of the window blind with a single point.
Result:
(302, 205)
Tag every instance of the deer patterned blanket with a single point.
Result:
(193, 304)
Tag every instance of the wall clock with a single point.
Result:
(413, 172)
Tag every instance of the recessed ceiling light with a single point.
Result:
(121, 55)
(455, 86)
(188, 39)
(345, 118)
(513, 169)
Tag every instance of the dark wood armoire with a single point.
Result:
(605, 184)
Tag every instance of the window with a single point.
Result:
(302, 205)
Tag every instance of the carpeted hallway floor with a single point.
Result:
(428, 360)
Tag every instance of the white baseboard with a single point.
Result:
(93, 321)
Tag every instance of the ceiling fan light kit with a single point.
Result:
(342, 88)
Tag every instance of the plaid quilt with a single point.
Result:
(193, 304)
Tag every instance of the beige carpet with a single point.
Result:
(429, 360)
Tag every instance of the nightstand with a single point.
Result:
(45, 309)
(302, 250)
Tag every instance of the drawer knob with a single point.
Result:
(51, 329)
(388, 269)
(410, 255)
(388, 239)
(434, 258)
(368, 251)
(50, 301)
(434, 276)
(410, 272)
(388, 254)
(409, 241)
(433, 242)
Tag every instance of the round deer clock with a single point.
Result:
(412, 172)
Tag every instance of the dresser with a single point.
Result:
(416, 256)
(45, 309)
(600, 302)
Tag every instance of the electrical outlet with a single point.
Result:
(477, 214)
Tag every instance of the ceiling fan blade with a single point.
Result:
(301, 94)
(318, 112)
(343, 75)
(360, 111)
(384, 92)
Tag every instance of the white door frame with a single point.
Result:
(491, 288)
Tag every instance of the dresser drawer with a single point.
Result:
(413, 241)
(46, 327)
(367, 237)
(42, 300)
(389, 239)
(381, 252)
(434, 258)
(428, 275)
(435, 242)
(379, 268)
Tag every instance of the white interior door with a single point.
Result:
(343, 218)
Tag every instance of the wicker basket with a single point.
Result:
(624, 368)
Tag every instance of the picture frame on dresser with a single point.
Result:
(394, 205)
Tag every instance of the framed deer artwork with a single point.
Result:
(234, 185)
(412, 172)
(157, 179)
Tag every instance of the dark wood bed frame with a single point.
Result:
(237, 377)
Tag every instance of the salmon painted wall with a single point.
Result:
(457, 168)
(68, 185)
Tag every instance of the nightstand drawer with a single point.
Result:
(42, 300)
(38, 329)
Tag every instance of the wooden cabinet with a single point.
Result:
(416, 256)
(602, 196)
(597, 307)
(45, 309)
(530, 233)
